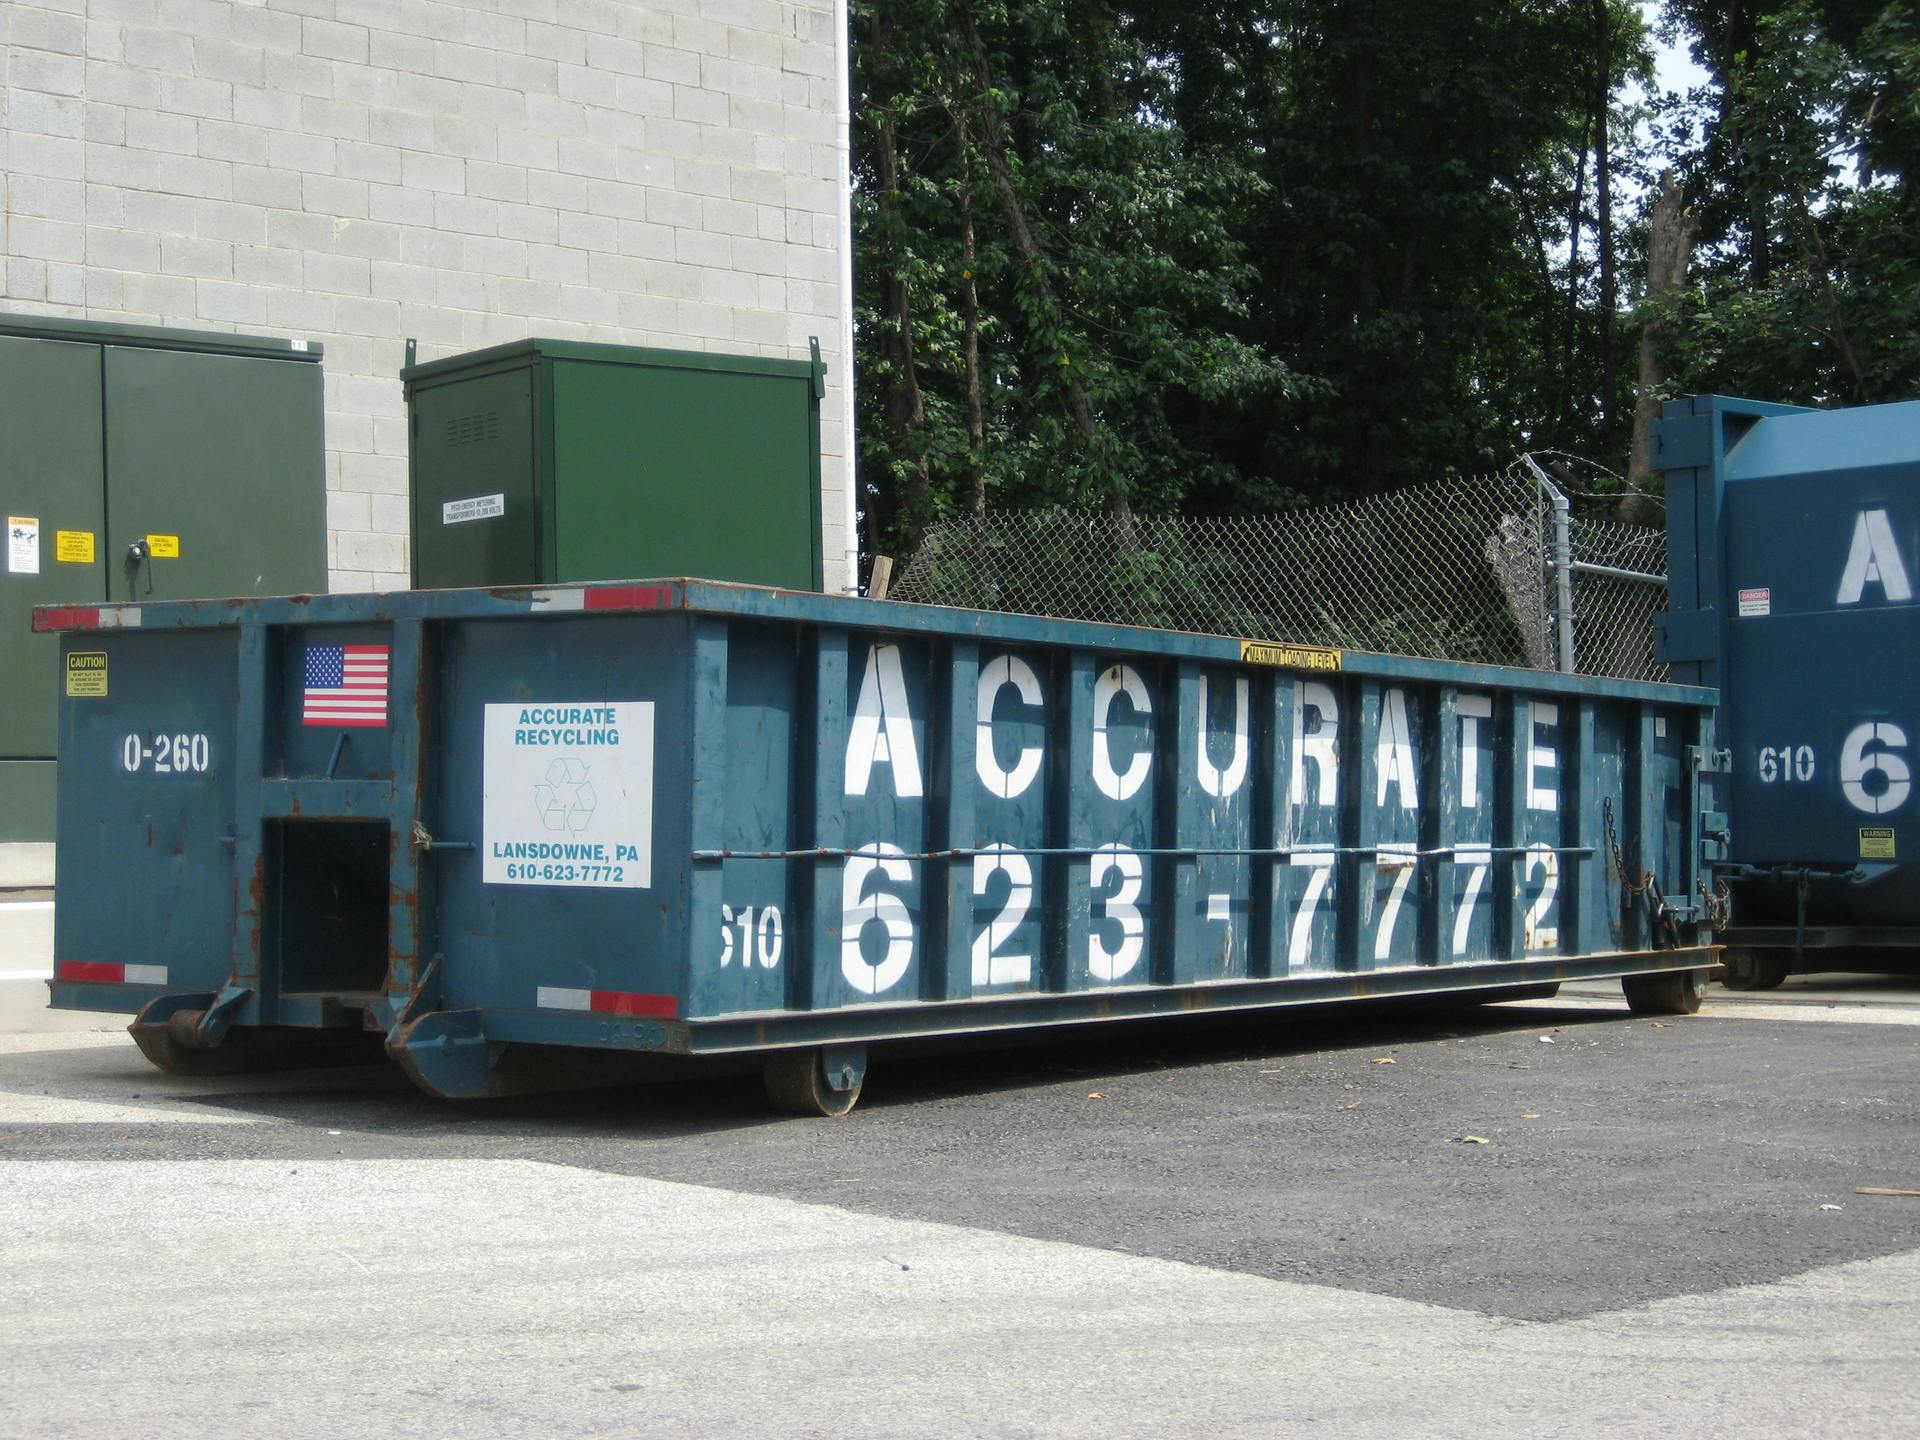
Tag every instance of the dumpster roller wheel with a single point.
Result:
(1670, 992)
(815, 1082)
(1755, 969)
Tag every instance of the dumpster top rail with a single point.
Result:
(708, 597)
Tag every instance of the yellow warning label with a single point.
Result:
(164, 547)
(87, 674)
(73, 547)
(1876, 842)
(1289, 657)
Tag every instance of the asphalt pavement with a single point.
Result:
(1540, 1219)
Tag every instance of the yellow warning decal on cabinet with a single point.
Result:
(73, 547)
(1876, 842)
(164, 547)
(87, 674)
(1290, 657)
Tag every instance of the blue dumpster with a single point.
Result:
(501, 831)
(1795, 551)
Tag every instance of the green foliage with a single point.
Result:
(1241, 256)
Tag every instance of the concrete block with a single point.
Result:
(264, 265)
(337, 274)
(243, 144)
(533, 223)
(369, 239)
(38, 114)
(229, 303)
(224, 220)
(333, 41)
(291, 150)
(446, 174)
(45, 71)
(331, 195)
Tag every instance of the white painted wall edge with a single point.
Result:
(843, 67)
(26, 865)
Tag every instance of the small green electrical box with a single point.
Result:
(141, 463)
(548, 461)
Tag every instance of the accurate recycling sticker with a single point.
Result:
(568, 795)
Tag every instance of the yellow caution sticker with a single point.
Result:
(87, 674)
(163, 547)
(1876, 842)
(73, 547)
(1289, 657)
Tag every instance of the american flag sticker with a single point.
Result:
(345, 685)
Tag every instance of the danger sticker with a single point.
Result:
(1756, 602)
(479, 507)
(1876, 842)
(87, 674)
(568, 795)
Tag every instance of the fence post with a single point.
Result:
(1562, 561)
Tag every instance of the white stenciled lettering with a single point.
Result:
(858, 910)
(1400, 859)
(996, 675)
(1319, 866)
(1115, 681)
(1873, 559)
(990, 967)
(1320, 744)
(1393, 753)
(1112, 962)
(1539, 935)
(1476, 860)
(1213, 780)
(1862, 760)
(1472, 709)
(882, 728)
(1542, 758)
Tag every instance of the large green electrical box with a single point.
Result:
(141, 464)
(546, 460)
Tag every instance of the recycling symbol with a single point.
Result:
(565, 800)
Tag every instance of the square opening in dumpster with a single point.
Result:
(327, 911)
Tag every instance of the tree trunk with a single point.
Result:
(906, 407)
(1669, 247)
(1603, 208)
(1028, 252)
(970, 311)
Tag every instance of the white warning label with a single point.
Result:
(23, 545)
(479, 507)
(1756, 602)
(568, 795)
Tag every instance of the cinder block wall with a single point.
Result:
(465, 172)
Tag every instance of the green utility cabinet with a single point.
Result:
(141, 464)
(547, 460)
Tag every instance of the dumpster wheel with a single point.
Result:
(1670, 992)
(796, 1082)
(1755, 969)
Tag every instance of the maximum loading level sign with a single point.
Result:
(568, 795)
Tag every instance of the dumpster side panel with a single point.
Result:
(946, 818)
(1808, 558)
(146, 803)
(565, 764)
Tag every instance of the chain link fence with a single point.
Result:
(1458, 570)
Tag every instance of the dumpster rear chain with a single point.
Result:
(1646, 881)
(1716, 906)
(422, 837)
